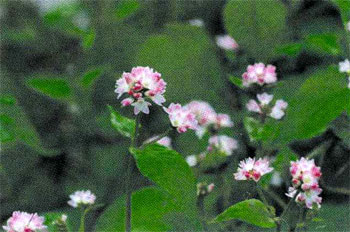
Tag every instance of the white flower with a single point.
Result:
(223, 144)
(196, 22)
(25, 222)
(81, 197)
(344, 66)
(191, 160)
(226, 42)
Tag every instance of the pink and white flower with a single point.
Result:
(181, 118)
(276, 112)
(141, 84)
(81, 198)
(25, 222)
(305, 177)
(226, 42)
(207, 117)
(223, 144)
(251, 169)
(259, 74)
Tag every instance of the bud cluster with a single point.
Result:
(81, 198)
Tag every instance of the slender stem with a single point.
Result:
(261, 195)
(289, 204)
(276, 198)
(200, 205)
(129, 178)
(157, 138)
(82, 219)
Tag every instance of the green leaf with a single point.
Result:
(88, 39)
(258, 26)
(236, 81)
(325, 42)
(292, 49)
(321, 99)
(149, 208)
(125, 8)
(282, 160)
(124, 125)
(90, 76)
(256, 130)
(344, 7)
(57, 88)
(251, 211)
(169, 170)
(7, 100)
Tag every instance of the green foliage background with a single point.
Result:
(58, 76)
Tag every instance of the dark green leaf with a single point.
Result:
(123, 125)
(7, 100)
(321, 99)
(236, 81)
(149, 206)
(90, 76)
(258, 26)
(126, 8)
(251, 211)
(57, 88)
(169, 170)
(292, 49)
(325, 42)
(88, 39)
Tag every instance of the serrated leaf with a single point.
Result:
(321, 99)
(258, 26)
(125, 8)
(169, 170)
(236, 81)
(57, 88)
(251, 211)
(124, 125)
(91, 76)
(325, 42)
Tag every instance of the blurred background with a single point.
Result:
(58, 140)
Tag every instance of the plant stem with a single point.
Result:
(200, 205)
(129, 178)
(289, 204)
(82, 220)
(261, 195)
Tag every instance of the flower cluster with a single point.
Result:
(259, 74)
(344, 67)
(25, 222)
(81, 198)
(208, 119)
(305, 177)
(251, 169)
(276, 112)
(141, 84)
(181, 118)
(226, 42)
(222, 144)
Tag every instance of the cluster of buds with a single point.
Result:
(207, 118)
(203, 189)
(81, 198)
(25, 222)
(141, 84)
(344, 67)
(226, 42)
(251, 169)
(259, 74)
(181, 118)
(61, 223)
(263, 108)
(305, 177)
(222, 144)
